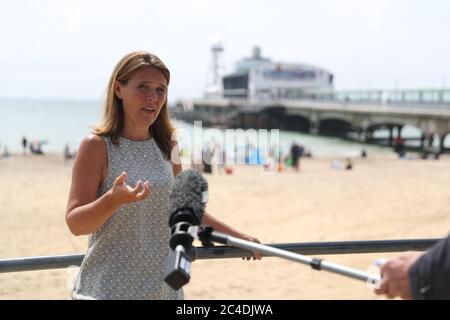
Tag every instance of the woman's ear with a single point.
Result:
(117, 89)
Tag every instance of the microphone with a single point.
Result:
(188, 199)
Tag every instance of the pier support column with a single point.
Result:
(399, 131)
(422, 142)
(361, 135)
(314, 129)
(441, 143)
(315, 125)
(431, 140)
(369, 135)
(364, 135)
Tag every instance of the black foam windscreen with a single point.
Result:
(189, 193)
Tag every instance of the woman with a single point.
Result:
(121, 182)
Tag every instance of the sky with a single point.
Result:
(67, 49)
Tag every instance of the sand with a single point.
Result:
(381, 198)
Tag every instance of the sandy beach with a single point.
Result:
(383, 197)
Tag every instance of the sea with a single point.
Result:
(57, 123)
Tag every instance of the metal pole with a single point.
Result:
(324, 248)
(222, 252)
(40, 263)
(316, 264)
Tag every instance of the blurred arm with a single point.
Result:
(429, 276)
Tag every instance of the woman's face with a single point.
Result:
(143, 96)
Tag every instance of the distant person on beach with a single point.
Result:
(24, 144)
(399, 147)
(121, 182)
(67, 154)
(336, 164)
(348, 164)
(6, 153)
(36, 148)
(296, 154)
(419, 276)
(207, 158)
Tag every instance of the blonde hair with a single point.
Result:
(113, 116)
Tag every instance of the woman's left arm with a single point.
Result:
(220, 226)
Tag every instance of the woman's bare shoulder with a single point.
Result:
(93, 141)
(93, 146)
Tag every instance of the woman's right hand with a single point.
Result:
(121, 193)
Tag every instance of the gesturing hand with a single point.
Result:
(122, 193)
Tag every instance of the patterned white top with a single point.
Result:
(126, 256)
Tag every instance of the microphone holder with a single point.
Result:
(208, 236)
(178, 263)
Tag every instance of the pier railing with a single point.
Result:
(411, 98)
(221, 252)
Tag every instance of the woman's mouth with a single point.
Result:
(149, 110)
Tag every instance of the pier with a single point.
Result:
(348, 114)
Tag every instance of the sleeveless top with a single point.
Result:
(127, 255)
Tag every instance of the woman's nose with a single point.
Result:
(151, 96)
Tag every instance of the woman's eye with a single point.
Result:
(161, 91)
(143, 88)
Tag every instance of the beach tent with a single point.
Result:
(256, 157)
